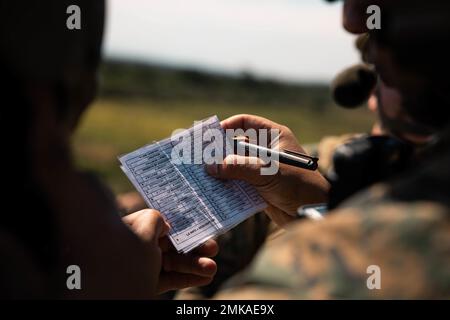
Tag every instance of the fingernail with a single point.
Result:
(212, 169)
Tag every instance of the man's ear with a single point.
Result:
(75, 94)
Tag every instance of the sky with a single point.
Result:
(295, 40)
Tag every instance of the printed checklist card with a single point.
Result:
(197, 206)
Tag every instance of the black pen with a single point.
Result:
(288, 157)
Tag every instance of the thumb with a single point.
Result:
(148, 224)
(236, 167)
(161, 226)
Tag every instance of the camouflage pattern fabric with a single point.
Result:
(402, 226)
(410, 244)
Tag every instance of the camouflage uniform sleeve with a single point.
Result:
(410, 243)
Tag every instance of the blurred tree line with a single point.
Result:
(169, 84)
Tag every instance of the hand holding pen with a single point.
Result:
(287, 190)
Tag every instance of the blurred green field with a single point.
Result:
(115, 126)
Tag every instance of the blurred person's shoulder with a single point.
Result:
(399, 229)
(406, 243)
(20, 276)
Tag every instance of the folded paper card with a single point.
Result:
(197, 206)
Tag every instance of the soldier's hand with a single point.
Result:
(170, 270)
(285, 191)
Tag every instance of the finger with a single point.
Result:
(246, 121)
(148, 224)
(279, 217)
(241, 168)
(128, 219)
(209, 249)
(132, 217)
(200, 266)
(276, 133)
(174, 281)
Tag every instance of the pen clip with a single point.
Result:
(312, 162)
(301, 155)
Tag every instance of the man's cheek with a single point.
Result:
(391, 101)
